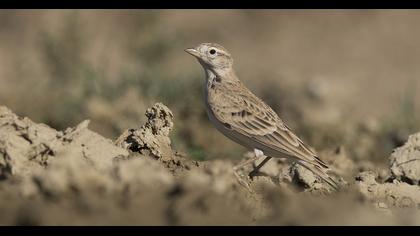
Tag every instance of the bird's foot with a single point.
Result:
(241, 180)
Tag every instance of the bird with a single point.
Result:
(241, 116)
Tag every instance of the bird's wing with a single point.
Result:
(246, 114)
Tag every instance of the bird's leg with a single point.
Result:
(257, 154)
(242, 164)
(241, 181)
(257, 168)
(245, 162)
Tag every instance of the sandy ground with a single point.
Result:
(78, 177)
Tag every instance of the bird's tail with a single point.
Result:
(321, 172)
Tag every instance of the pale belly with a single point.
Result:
(236, 137)
(240, 138)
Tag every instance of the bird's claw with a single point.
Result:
(242, 181)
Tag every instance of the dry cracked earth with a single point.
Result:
(78, 177)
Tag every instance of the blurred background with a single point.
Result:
(339, 78)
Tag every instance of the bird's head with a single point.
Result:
(212, 57)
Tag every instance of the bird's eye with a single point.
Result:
(212, 51)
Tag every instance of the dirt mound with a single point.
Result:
(405, 161)
(26, 147)
(140, 179)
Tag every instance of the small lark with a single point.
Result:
(243, 117)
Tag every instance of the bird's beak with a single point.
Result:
(193, 52)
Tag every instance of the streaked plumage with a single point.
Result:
(246, 119)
